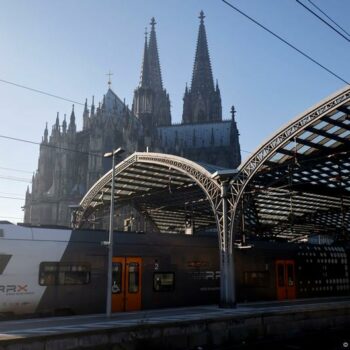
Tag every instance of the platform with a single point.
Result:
(179, 328)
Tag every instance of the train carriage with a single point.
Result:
(48, 271)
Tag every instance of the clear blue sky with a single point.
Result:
(66, 47)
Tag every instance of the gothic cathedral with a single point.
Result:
(71, 161)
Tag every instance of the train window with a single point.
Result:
(54, 273)
(164, 281)
(4, 259)
(290, 275)
(116, 278)
(48, 273)
(280, 275)
(133, 278)
(256, 279)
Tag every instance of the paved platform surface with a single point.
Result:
(29, 328)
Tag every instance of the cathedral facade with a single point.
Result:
(71, 161)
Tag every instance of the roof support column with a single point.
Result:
(227, 267)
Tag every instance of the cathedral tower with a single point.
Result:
(151, 102)
(70, 160)
(202, 102)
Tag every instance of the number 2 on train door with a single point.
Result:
(285, 279)
(126, 284)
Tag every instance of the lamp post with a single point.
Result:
(110, 236)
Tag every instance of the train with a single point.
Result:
(51, 271)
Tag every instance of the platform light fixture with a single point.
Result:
(109, 243)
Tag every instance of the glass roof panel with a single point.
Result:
(276, 157)
(305, 135)
(330, 143)
(303, 149)
(318, 139)
(320, 125)
(333, 129)
(337, 115)
(345, 134)
(289, 146)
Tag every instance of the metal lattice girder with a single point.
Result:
(151, 177)
(309, 154)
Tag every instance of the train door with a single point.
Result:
(126, 284)
(285, 279)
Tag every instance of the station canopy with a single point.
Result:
(295, 185)
(170, 191)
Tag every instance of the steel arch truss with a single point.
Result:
(320, 132)
(133, 172)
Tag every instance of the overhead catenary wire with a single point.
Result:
(17, 170)
(14, 178)
(11, 217)
(10, 194)
(325, 14)
(16, 198)
(41, 92)
(322, 20)
(286, 42)
(50, 146)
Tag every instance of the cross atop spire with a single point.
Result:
(201, 16)
(233, 112)
(109, 78)
(153, 23)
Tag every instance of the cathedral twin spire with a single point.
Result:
(155, 76)
(151, 76)
(202, 77)
(151, 102)
(202, 102)
(145, 81)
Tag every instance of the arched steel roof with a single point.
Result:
(163, 187)
(297, 182)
